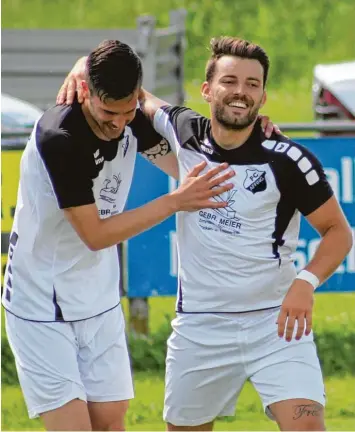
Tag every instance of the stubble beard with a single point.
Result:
(230, 123)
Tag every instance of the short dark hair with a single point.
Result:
(114, 70)
(231, 46)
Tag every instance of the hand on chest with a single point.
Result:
(254, 192)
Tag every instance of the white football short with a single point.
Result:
(60, 361)
(210, 357)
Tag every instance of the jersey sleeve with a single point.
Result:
(68, 170)
(174, 123)
(309, 187)
(146, 135)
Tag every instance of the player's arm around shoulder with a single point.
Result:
(161, 154)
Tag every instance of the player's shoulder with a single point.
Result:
(178, 111)
(186, 122)
(140, 121)
(283, 149)
(62, 118)
(292, 162)
(61, 123)
(55, 129)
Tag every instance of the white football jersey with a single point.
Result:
(239, 258)
(51, 275)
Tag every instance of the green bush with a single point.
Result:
(335, 349)
(336, 352)
(296, 34)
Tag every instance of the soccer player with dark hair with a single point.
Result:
(61, 292)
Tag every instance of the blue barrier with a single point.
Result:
(151, 257)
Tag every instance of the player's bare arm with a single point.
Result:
(162, 156)
(335, 244)
(193, 194)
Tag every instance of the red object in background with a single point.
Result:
(327, 99)
(334, 93)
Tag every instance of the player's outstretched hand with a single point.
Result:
(72, 84)
(268, 126)
(297, 307)
(196, 190)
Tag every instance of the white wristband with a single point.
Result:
(309, 277)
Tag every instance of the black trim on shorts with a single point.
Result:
(228, 312)
(179, 305)
(57, 309)
(60, 322)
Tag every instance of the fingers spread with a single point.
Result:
(218, 190)
(220, 179)
(214, 171)
(197, 169)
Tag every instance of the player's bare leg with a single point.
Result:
(299, 415)
(108, 416)
(73, 416)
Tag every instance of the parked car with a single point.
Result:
(17, 120)
(334, 91)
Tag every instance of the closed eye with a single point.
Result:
(109, 112)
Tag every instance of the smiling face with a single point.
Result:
(111, 116)
(235, 92)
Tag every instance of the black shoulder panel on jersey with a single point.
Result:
(186, 123)
(142, 129)
(66, 161)
(299, 174)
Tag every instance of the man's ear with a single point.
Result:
(263, 99)
(85, 88)
(206, 91)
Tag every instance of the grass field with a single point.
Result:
(145, 412)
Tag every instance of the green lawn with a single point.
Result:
(145, 412)
(330, 309)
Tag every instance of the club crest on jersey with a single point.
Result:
(255, 180)
(109, 191)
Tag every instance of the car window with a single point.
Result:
(15, 120)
